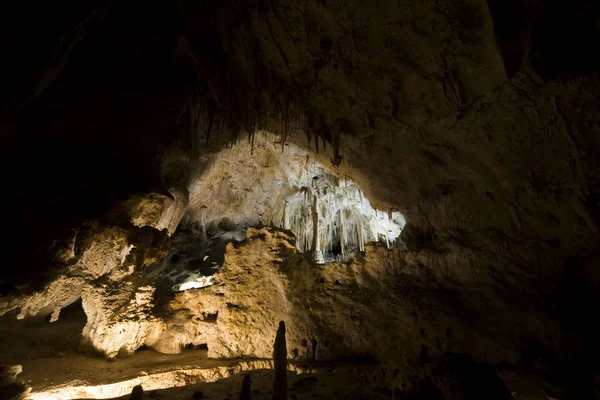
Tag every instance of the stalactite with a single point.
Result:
(317, 254)
(240, 68)
(329, 211)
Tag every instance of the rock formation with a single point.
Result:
(137, 393)
(292, 190)
(10, 387)
(280, 364)
(246, 392)
(397, 180)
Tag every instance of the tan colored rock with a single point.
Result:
(147, 209)
(157, 210)
(57, 295)
(172, 215)
(387, 304)
(103, 250)
(239, 314)
(119, 317)
(100, 250)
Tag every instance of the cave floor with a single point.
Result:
(305, 386)
(181, 376)
(55, 368)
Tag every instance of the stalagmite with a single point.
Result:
(137, 393)
(280, 362)
(246, 393)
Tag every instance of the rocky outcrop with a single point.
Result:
(57, 295)
(157, 210)
(388, 305)
(10, 387)
(119, 316)
(101, 249)
(105, 272)
(147, 209)
(97, 251)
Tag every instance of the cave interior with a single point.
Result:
(273, 199)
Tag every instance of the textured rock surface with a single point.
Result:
(101, 273)
(477, 120)
(387, 305)
(100, 253)
(258, 182)
(157, 210)
(119, 317)
(147, 210)
(10, 387)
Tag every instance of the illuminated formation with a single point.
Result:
(326, 211)
(332, 218)
(413, 186)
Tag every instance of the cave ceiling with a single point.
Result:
(476, 121)
(467, 123)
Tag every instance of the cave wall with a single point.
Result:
(481, 131)
(386, 306)
(477, 120)
(95, 104)
(458, 135)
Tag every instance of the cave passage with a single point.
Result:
(411, 186)
(326, 211)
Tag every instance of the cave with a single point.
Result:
(385, 199)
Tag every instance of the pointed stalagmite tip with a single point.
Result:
(280, 364)
(246, 393)
(137, 393)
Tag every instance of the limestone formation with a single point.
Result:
(265, 279)
(294, 190)
(119, 317)
(147, 209)
(397, 180)
(246, 392)
(137, 393)
(97, 251)
(280, 364)
(10, 387)
(233, 316)
(101, 249)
